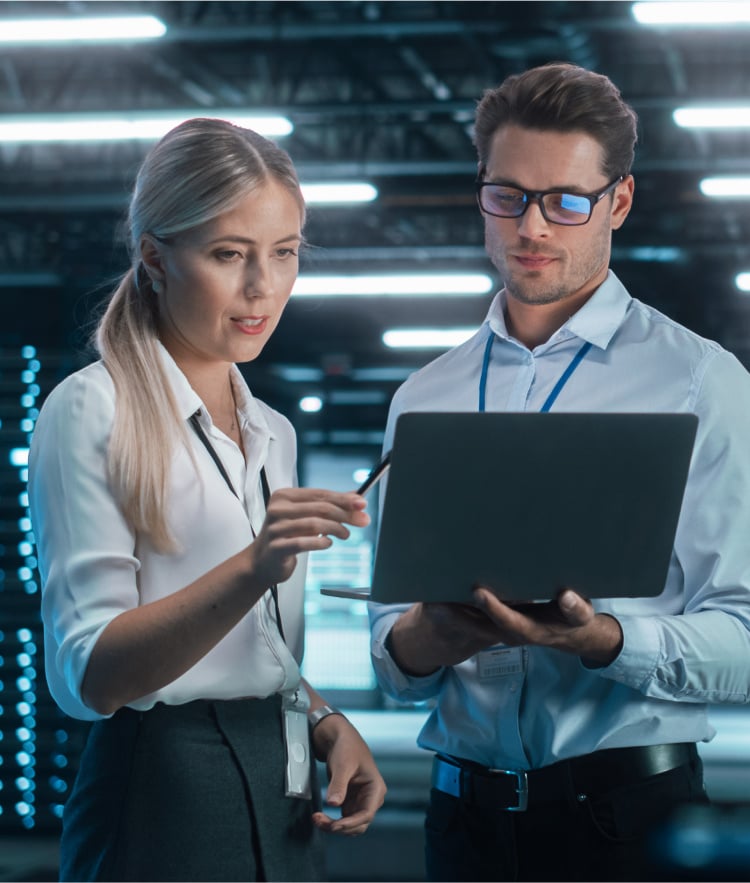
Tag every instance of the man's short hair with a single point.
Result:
(561, 97)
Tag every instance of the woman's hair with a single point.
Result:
(199, 170)
(564, 98)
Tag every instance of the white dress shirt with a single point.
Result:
(528, 707)
(94, 566)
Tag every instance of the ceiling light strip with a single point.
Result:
(397, 285)
(713, 117)
(692, 13)
(426, 338)
(726, 187)
(339, 193)
(81, 30)
(145, 125)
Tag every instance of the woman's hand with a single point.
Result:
(301, 520)
(354, 783)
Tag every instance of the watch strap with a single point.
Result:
(315, 717)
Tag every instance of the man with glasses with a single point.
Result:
(565, 732)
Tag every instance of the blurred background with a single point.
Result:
(374, 101)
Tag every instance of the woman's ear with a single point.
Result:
(151, 257)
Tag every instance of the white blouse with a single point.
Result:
(94, 566)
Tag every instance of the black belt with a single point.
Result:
(589, 775)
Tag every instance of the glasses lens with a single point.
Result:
(567, 208)
(505, 202)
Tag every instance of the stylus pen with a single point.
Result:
(375, 475)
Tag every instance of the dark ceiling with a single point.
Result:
(382, 91)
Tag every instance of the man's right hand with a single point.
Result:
(427, 637)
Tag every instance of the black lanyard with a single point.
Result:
(266, 496)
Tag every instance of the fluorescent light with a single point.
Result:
(310, 404)
(426, 338)
(726, 188)
(725, 117)
(692, 13)
(331, 193)
(655, 254)
(742, 281)
(407, 285)
(138, 125)
(79, 30)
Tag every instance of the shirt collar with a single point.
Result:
(188, 401)
(596, 321)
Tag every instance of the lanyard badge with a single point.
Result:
(297, 745)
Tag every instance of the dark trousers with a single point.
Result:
(188, 792)
(612, 835)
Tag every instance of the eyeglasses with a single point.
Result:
(557, 206)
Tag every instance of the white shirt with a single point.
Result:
(688, 647)
(94, 567)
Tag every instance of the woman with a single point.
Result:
(169, 526)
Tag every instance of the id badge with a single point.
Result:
(500, 662)
(297, 745)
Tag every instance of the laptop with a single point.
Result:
(529, 503)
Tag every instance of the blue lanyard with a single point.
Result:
(574, 363)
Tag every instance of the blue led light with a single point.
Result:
(19, 456)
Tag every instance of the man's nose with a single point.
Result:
(532, 224)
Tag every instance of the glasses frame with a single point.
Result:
(537, 196)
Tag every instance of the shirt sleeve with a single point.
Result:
(392, 680)
(701, 652)
(85, 546)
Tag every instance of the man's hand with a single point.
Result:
(569, 623)
(429, 636)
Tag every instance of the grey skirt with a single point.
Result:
(189, 792)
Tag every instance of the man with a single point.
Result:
(594, 714)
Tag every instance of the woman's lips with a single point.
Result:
(251, 324)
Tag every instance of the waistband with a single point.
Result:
(588, 775)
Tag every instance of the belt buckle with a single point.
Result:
(522, 789)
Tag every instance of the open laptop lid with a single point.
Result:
(527, 503)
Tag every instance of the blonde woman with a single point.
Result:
(171, 537)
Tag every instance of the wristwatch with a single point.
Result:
(315, 717)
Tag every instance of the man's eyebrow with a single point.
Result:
(558, 188)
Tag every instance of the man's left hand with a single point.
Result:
(569, 623)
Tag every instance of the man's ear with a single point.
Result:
(622, 202)
(151, 257)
